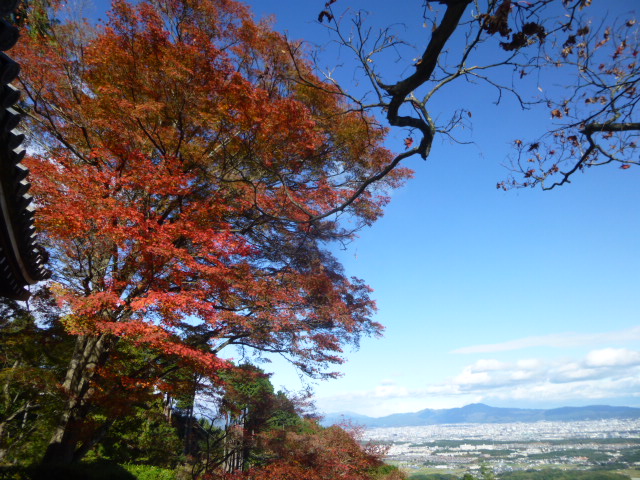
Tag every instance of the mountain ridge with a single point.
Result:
(481, 413)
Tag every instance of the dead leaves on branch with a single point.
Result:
(326, 13)
(595, 121)
(498, 23)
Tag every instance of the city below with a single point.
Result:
(611, 444)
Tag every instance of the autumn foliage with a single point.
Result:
(596, 123)
(575, 63)
(188, 183)
(318, 453)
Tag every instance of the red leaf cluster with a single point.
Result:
(181, 166)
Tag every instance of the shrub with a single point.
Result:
(148, 472)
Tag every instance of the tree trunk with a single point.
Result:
(91, 442)
(90, 352)
(3, 447)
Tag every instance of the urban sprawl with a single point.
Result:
(513, 446)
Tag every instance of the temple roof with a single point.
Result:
(21, 258)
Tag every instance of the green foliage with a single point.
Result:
(384, 471)
(486, 472)
(631, 456)
(433, 476)
(554, 474)
(148, 472)
(248, 391)
(100, 470)
(96, 470)
(39, 15)
(593, 455)
(546, 474)
(284, 413)
(15, 472)
(32, 358)
(144, 437)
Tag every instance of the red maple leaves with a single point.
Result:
(178, 176)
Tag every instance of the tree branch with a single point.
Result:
(424, 70)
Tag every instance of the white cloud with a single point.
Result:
(613, 357)
(379, 402)
(529, 363)
(523, 374)
(488, 365)
(469, 377)
(601, 374)
(565, 393)
(574, 372)
(558, 340)
(390, 391)
(388, 381)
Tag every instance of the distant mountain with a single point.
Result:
(481, 413)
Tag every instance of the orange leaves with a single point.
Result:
(573, 139)
(605, 38)
(599, 99)
(179, 171)
(408, 142)
(620, 49)
(316, 453)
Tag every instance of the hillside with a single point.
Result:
(481, 413)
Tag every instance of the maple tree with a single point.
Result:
(501, 44)
(190, 169)
(188, 183)
(271, 435)
(313, 452)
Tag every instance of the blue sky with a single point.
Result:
(522, 298)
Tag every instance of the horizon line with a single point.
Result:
(343, 413)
